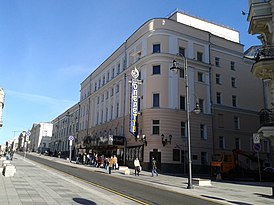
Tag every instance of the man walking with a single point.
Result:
(154, 167)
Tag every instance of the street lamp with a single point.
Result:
(175, 67)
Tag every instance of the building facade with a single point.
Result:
(64, 126)
(219, 81)
(261, 19)
(2, 102)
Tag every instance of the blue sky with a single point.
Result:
(48, 47)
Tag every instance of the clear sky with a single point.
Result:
(48, 47)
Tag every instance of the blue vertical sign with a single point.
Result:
(133, 103)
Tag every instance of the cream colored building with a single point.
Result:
(40, 137)
(65, 125)
(219, 80)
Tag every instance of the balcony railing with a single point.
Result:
(266, 117)
(264, 53)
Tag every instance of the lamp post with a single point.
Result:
(175, 67)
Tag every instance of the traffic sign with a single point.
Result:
(256, 138)
(257, 147)
(71, 138)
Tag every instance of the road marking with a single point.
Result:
(98, 186)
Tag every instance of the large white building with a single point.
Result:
(220, 81)
(40, 137)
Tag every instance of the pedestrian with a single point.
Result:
(110, 164)
(154, 167)
(115, 162)
(137, 166)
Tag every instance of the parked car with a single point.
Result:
(268, 174)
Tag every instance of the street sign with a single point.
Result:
(257, 147)
(256, 138)
(71, 138)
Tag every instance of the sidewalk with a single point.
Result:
(244, 193)
(34, 184)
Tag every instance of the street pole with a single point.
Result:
(175, 67)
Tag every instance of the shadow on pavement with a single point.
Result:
(265, 196)
(83, 201)
(221, 199)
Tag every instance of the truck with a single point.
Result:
(229, 165)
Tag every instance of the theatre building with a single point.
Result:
(133, 105)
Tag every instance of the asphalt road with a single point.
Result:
(144, 194)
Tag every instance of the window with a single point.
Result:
(221, 142)
(237, 143)
(204, 159)
(217, 62)
(106, 115)
(203, 132)
(107, 76)
(200, 77)
(236, 123)
(218, 98)
(102, 98)
(95, 86)
(118, 68)
(220, 120)
(182, 73)
(156, 69)
(113, 72)
(201, 105)
(156, 48)
(233, 82)
(182, 103)
(234, 100)
(117, 88)
(183, 129)
(176, 155)
(200, 56)
(104, 80)
(266, 146)
(156, 100)
(112, 91)
(232, 65)
(218, 79)
(98, 100)
(111, 112)
(155, 127)
(107, 94)
(117, 110)
(181, 51)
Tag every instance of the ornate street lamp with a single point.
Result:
(197, 110)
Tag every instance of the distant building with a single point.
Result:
(2, 100)
(40, 137)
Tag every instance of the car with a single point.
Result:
(268, 174)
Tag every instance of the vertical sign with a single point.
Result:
(133, 103)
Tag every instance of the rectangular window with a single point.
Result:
(182, 73)
(95, 86)
(201, 105)
(237, 123)
(156, 100)
(234, 100)
(104, 80)
(204, 158)
(221, 142)
(117, 110)
(233, 82)
(237, 143)
(217, 62)
(156, 48)
(218, 79)
(200, 77)
(155, 127)
(203, 132)
(183, 129)
(118, 68)
(113, 72)
(176, 155)
(181, 51)
(117, 88)
(200, 56)
(156, 69)
(220, 120)
(218, 98)
(232, 65)
(98, 100)
(182, 103)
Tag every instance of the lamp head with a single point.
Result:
(197, 109)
